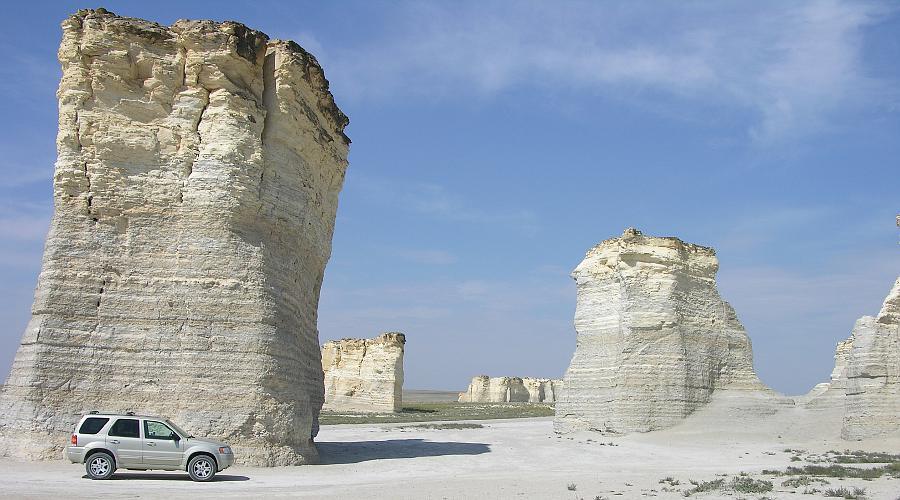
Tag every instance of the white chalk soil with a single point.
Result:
(508, 459)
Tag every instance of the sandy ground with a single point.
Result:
(520, 458)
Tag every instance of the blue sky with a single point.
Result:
(495, 142)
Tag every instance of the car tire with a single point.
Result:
(100, 465)
(202, 468)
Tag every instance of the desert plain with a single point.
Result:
(523, 458)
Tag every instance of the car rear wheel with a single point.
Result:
(202, 468)
(100, 466)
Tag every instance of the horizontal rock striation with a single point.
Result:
(364, 375)
(195, 191)
(485, 389)
(654, 338)
(873, 373)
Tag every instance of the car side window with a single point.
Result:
(157, 430)
(125, 427)
(92, 425)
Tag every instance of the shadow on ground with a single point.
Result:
(131, 476)
(363, 451)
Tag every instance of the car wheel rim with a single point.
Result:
(202, 469)
(99, 466)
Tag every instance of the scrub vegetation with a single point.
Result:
(441, 411)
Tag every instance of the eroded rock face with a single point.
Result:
(873, 373)
(364, 375)
(831, 393)
(195, 193)
(485, 389)
(655, 339)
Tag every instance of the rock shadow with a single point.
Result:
(362, 451)
(162, 476)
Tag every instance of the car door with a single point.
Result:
(162, 446)
(124, 438)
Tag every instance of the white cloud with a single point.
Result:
(790, 65)
(438, 202)
(431, 257)
(762, 225)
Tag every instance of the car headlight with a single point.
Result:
(225, 450)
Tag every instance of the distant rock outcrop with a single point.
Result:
(655, 339)
(196, 183)
(542, 390)
(485, 389)
(873, 373)
(364, 375)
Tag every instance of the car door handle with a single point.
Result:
(151, 444)
(114, 441)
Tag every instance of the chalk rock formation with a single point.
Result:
(485, 389)
(364, 375)
(195, 193)
(542, 390)
(831, 393)
(655, 339)
(873, 373)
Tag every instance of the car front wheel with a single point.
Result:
(100, 466)
(202, 468)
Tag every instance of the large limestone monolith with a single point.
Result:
(873, 373)
(655, 339)
(364, 375)
(485, 389)
(195, 193)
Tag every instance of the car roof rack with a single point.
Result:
(93, 412)
(129, 413)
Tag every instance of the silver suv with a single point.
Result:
(105, 442)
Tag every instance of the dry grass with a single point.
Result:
(441, 411)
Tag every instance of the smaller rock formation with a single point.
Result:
(873, 373)
(655, 339)
(831, 393)
(542, 390)
(364, 375)
(485, 389)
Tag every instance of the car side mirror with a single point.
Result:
(176, 437)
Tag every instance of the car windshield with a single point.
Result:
(179, 430)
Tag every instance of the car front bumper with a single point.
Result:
(226, 460)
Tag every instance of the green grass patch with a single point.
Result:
(796, 482)
(444, 426)
(862, 457)
(842, 492)
(440, 411)
(745, 484)
(841, 471)
(704, 486)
